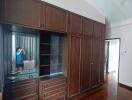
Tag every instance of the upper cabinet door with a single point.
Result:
(75, 24)
(87, 27)
(22, 12)
(56, 19)
(43, 15)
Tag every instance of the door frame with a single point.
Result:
(119, 53)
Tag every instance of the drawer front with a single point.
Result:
(56, 96)
(32, 97)
(24, 89)
(53, 89)
(23, 92)
(52, 84)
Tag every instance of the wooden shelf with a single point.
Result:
(44, 65)
(50, 55)
(45, 44)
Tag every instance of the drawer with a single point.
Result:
(21, 92)
(24, 84)
(54, 87)
(52, 84)
(23, 89)
(54, 91)
(30, 97)
(56, 96)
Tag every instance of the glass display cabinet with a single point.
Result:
(51, 54)
(20, 54)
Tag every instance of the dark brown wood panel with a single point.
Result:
(53, 89)
(87, 26)
(22, 12)
(56, 19)
(43, 15)
(86, 64)
(95, 68)
(102, 53)
(75, 24)
(74, 68)
(24, 90)
(86, 55)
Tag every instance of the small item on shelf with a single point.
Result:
(20, 57)
(12, 78)
(29, 64)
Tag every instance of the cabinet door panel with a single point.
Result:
(86, 55)
(74, 69)
(43, 15)
(96, 55)
(75, 24)
(87, 27)
(86, 63)
(23, 12)
(56, 19)
(102, 51)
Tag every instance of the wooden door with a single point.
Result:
(22, 12)
(86, 55)
(74, 68)
(95, 68)
(56, 19)
(102, 55)
(75, 24)
(43, 15)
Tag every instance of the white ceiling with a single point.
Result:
(114, 10)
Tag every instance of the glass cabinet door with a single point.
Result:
(20, 55)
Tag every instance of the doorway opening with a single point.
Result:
(112, 56)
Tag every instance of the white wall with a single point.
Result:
(80, 7)
(123, 30)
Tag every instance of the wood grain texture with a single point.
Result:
(56, 19)
(54, 89)
(74, 68)
(75, 24)
(0, 96)
(86, 55)
(22, 12)
(110, 90)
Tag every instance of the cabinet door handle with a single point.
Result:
(41, 25)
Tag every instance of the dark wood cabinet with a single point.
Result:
(24, 90)
(53, 89)
(102, 53)
(43, 15)
(84, 50)
(22, 12)
(56, 19)
(74, 67)
(95, 69)
(86, 55)
(75, 24)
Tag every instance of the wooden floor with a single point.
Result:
(111, 90)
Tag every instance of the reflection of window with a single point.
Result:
(23, 51)
(20, 54)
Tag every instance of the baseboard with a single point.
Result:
(125, 86)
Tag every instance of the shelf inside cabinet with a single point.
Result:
(51, 53)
